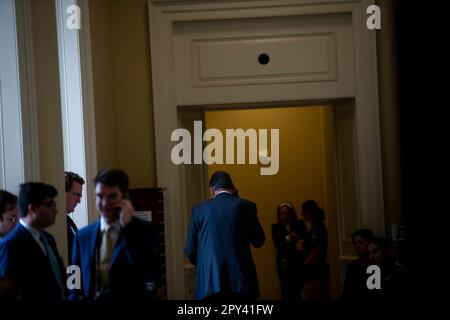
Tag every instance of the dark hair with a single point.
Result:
(383, 244)
(313, 208)
(292, 212)
(34, 193)
(221, 180)
(71, 177)
(366, 234)
(113, 177)
(6, 199)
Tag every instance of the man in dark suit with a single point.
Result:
(74, 191)
(119, 254)
(28, 254)
(220, 233)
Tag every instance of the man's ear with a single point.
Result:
(32, 208)
(212, 192)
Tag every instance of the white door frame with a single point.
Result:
(163, 15)
(77, 104)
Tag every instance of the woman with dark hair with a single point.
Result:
(316, 271)
(394, 282)
(286, 233)
(355, 287)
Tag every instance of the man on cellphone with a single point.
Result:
(118, 255)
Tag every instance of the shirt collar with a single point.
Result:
(34, 232)
(104, 225)
(223, 191)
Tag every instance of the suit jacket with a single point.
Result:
(221, 231)
(24, 262)
(134, 263)
(72, 229)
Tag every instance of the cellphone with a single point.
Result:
(118, 210)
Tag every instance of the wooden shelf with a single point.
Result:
(152, 199)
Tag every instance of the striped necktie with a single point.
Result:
(54, 264)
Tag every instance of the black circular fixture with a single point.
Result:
(263, 58)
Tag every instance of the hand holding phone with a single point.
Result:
(125, 211)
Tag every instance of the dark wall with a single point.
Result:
(422, 170)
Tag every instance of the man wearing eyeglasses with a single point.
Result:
(28, 255)
(74, 192)
(9, 214)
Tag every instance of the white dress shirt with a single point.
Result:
(35, 233)
(114, 232)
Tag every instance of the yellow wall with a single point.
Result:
(303, 173)
(122, 88)
(100, 12)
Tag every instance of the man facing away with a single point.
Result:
(74, 191)
(9, 213)
(220, 233)
(28, 254)
(118, 255)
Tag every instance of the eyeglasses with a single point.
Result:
(50, 204)
(76, 194)
(12, 218)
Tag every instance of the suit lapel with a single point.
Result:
(53, 246)
(91, 253)
(72, 224)
(121, 244)
(94, 243)
(34, 246)
(117, 248)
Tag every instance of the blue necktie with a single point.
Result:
(54, 265)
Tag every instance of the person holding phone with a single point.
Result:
(118, 254)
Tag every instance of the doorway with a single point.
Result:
(312, 143)
(207, 54)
